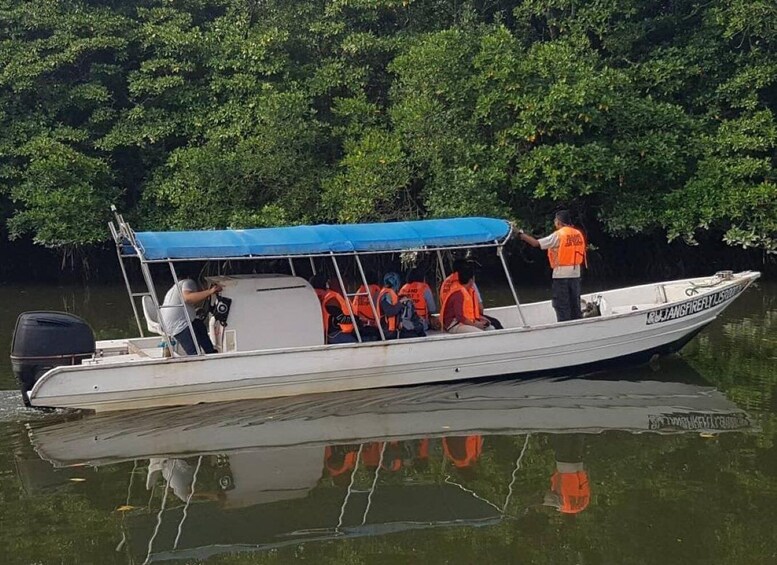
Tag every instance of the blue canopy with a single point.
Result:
(321, 239)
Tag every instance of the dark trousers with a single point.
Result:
(369, 333)
(406, 334)
(340, 337)
(496, 324)
(185, 338)
(566, 299)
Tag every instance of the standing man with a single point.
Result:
(173, 317)
(570, 489)
(566, 253)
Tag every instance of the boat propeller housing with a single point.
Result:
(42, 340)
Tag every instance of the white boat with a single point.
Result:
(273, 344)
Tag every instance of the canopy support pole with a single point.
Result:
(158, 520)
(373, 306)
(500, 252)
(312, 265)
(347, 302)
(441, 265)
(350, 489)
(185, 310)
(115, 235)
(188, 501)
(374, 483)
(515, 474)
(291, 266)
(152, 292)
(123, 541)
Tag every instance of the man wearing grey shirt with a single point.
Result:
(173, 316)
(566, 252)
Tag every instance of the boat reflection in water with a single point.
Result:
(256, 475)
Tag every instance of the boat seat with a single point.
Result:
(149, 312)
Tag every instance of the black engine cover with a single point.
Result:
(43, 340)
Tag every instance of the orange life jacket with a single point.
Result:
(361, 304)
(416, 292)
(391, 321)
(471, 306)
(572, 489)
(445, 287)
(473, 447)
(392, 460)
(335, 469)
(571, 248)
(327, 296)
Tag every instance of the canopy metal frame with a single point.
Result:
(124, 238)
(340, 530)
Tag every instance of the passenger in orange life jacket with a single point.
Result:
(566, 253)
(361, 302)
(570, 490)
(460, 308)
(463, 452)
(421, 295)
(338, 326)
(391, 308)
(392, 455)
(340, 461)
(446, 285)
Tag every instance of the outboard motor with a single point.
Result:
(42, 340)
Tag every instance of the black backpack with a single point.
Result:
(408, 318)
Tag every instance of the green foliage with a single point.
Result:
(65, 195)
(259, 175)
(734, 185)
(435, 112)
(641, 115)
(57, 87)
(372, 179)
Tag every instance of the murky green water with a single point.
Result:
(670, 464)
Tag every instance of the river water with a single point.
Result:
(672, 463)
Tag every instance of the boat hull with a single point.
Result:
(574, 346)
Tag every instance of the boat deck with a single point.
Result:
(610, 302)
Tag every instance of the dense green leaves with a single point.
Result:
(645, 116)
(65, 195)
(734, 185)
